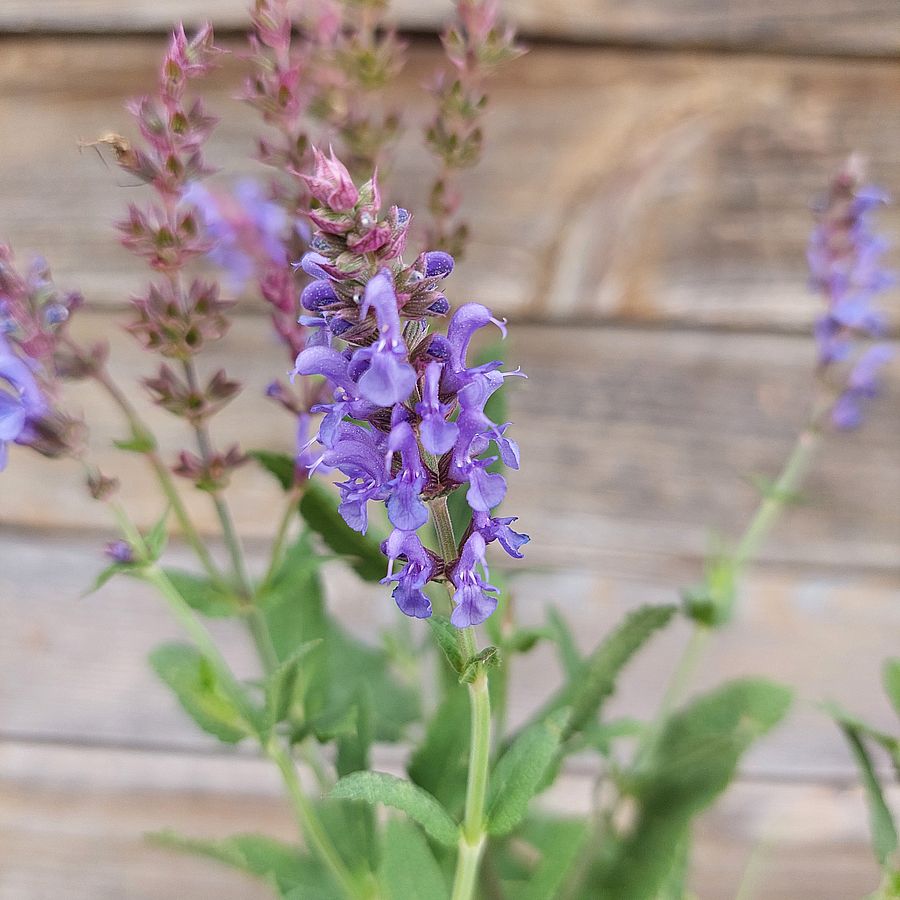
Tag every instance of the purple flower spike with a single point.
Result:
(438, 435)
(419, 568)
(472, 602)
(390, 378)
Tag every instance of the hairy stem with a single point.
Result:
(163, 476)
(310, 826)
(256, 623)
(472, 837)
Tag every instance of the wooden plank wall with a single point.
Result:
(640, 216)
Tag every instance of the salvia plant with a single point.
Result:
(402, 453)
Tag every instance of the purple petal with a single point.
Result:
(473, 606)
(387, 380)
(486, 489)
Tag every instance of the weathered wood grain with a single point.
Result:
(636, 445)
(640, 187)
(87, 680)
(866, 27)
(72, 823)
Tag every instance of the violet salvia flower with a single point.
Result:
(407, 422)
(845, 264)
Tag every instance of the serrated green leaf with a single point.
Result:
(891, 678)
(409, 870)
(694, 758)
(186, 671)
(445, 636)
(884, 831)
(597, 677)
(284, 866)
(418, 804)
(520, 772)
(440, 763)
(318, 507)
(279, 686)
(203, 595)
(279, 465)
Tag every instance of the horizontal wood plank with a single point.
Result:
(88, 680)
(636, 187)
(866, 27)
(636, 448)
(73, 823)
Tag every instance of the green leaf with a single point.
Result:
(280, 465)
(891, 677)
(204, 595)
(440, 763)
(445, 636)
(318, 507)
(108, 573)
(336, 670)
(597, 677)
(409, 870)
(559, 842)
(156, 538)
(887, 742)
(884, 832)
(279, 686)
(712, 602)
(418, 804)
(569, 657)
(520, 772)
(139, 442)
(188, 673)
(694, 758)
(284, 866)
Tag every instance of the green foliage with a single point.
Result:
(289, 870)
(340, 667)
(884, 831)
(891, 678)
(692, 761)
(559, 843)
(409, 870)
(282, 682)
(445, 637)
(569, 657)
(712, 602)
(279, 465)
(596, 677)
(440, 763)
(418, 804)
(204, 595)
(318, 507)
(521, 771)
(192, 678)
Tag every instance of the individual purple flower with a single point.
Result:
(498, 530)
(438, 435)
(405, 507)
(22, 402)
(472, 599)
(389, 378)
(409, 594)
(862, 384)
(120, 552)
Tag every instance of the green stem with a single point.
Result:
(310, 826)
(281, 534)
(309, 823)
(472, 837)
(256, 622)
(139, 429)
